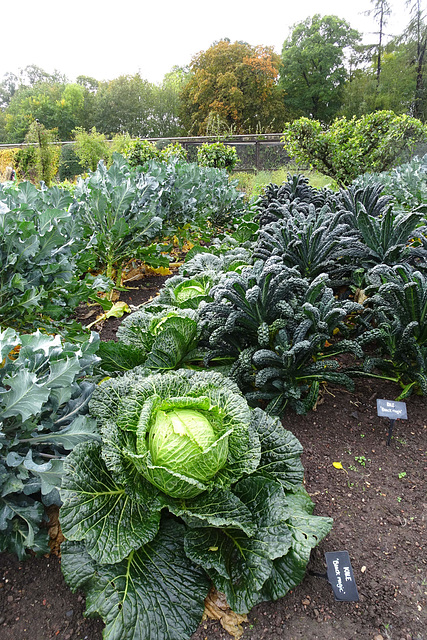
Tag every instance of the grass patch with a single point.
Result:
(253, 183)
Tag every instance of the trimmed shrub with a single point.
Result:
(217, 155)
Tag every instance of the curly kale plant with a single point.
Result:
(310, 239)
(188, 486)
(390, 239)
(370, 197)
(279, 328)
(397, 306)
(276, 199)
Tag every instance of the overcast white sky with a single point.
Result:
(107, 39)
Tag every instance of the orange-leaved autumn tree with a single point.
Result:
(235, 85)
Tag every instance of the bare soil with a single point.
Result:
(379, 506)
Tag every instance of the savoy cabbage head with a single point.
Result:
(189, 486)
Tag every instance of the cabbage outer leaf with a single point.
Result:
(156, 593)
(216, 508)
(238, 564)
(99, 511)
(307, 531)
(281, 451)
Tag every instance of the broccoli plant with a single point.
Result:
(39, 283)
(189, 486)
(117, 215)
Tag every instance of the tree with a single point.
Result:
(381, 10)
(349, 148)
(313, 72)
(166, 103)
(37, 95)
(416, 36)
(238, 83)
(29, 103)
(395, 91)
(8, 88)
(124, 104)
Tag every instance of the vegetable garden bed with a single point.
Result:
(378, 505)
(173, 476)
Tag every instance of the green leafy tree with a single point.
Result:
(56, 106)
(395, 91)
(166, 104)
(8, 88)
(124, 104)
(238, 82)
(313, 70)
(29, 104)
(90, 86)
(349, 148)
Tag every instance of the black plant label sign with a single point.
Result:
(391, 409)
(341, 576)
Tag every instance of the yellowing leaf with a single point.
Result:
(187, 246)
(160, 271)
(338, 465)
(213, 548)
(117, 310)
(216, 608)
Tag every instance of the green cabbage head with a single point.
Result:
(183, 443)
(186, 441)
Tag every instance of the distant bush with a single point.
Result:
(26, 164)
(7, 159)
(46, 155)
(139, 152)
(174, 150)
(375, 142)
(91, 147)
(217, 155)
